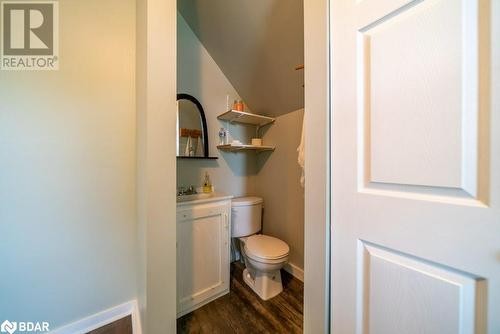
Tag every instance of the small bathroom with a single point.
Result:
(240, 160)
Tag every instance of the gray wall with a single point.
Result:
(257, 45)
(199, 75)
(67, 172)
(278, 182)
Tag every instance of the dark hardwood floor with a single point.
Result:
(122, 326)
(242, 311)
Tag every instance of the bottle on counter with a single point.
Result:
(207, 185)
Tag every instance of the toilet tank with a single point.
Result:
(246, 216)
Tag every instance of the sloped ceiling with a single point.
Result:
(257, 44)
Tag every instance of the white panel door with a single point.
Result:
(415, 166)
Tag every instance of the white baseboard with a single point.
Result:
(103, 318)
(294, 270)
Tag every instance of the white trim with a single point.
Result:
(103, 318)
(294, 270)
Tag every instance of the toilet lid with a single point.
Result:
(266, 247)
(246, 201)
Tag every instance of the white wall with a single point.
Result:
(156, 109)
(199, 75)
(278, 183)
(67, 172)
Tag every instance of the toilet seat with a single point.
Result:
(266, 249)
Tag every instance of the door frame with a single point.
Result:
(317, 226)
(156, 94)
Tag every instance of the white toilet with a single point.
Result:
(264, 255)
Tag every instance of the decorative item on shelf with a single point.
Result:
(238, 105)
(241, 106)
(223, 138)
(256, 142)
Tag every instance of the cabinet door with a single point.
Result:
(202, 255)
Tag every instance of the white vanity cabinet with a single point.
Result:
(203, 250)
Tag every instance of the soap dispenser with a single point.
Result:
(207, 185)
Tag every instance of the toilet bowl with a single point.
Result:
(263, 255)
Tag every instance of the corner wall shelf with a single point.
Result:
(235, 116)
(242, 147)
(197, 158)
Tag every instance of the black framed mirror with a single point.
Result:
(192, 131)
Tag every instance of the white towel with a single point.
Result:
(188, 149)
(301, 150)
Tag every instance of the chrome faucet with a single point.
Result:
(191, 190)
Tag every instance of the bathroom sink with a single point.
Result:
(193, 197)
